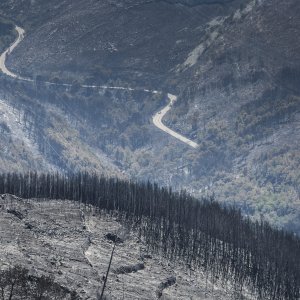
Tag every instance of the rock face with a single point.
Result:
(60, 238)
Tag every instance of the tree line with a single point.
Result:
(203, 234)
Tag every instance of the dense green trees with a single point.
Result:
(202, 234)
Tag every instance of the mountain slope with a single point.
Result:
(250, 73)
(66, 241)
(146, 38)
(250, 259)
(234, 66)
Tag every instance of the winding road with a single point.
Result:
(157, 121)
(4, 55)
(157, 118)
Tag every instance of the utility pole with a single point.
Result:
(107, 272)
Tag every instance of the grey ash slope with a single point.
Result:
(61, 239)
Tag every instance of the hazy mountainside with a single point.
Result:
(233, 64)
(76, 27)
(250, 73)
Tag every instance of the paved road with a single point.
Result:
(8, 51)
(157, 121)
(157, 118)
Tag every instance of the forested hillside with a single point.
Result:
(252, 256)
(234, 66)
